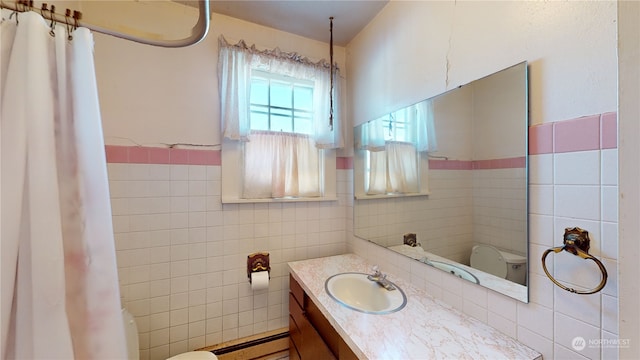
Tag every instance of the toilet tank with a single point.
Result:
(516, 267)
(131, 335)
(500, 263)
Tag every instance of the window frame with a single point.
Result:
(232, 156)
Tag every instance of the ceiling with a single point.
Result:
(308, 18)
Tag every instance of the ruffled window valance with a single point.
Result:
(235, 66)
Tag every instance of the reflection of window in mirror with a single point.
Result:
(392, 153)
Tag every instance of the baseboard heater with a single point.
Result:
(248, 344)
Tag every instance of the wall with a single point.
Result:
(629, 129)
(572, 183)
(181, 253)
(443, 224)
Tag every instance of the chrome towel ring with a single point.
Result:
(576, 241)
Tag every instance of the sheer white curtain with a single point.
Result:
(60, 292)
(279, 165)
(234, 79)
(394, 170)
(235, 63)
(394, 163)
(421, 128)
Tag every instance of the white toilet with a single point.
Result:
(131, 334)
(499, 263)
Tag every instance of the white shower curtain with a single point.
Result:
(60, 295)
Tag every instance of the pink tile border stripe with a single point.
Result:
(506, 163)
(153, 155)
(344, 163)
(450, 164)
(585, 133)
(595, 132)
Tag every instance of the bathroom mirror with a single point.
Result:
(466, 209)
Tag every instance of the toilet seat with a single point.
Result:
(489, 259)
(131, 334)
(194, 355)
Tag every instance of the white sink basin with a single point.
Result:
(452, 269)
(356, 292)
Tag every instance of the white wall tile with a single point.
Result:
(160, 172)
(562, 353)
(610, 314)
(501, 323)
(541, 229)
(503, 306)
(609, 167)
(536, 318)
(611, 288)
(159, 321)
(197, 172)
(541, 344)
(159, 304)
(567, 329)
(609, 203)
(540, 289)
(577, 168)
(159, 352)
(577, 201)
(220, 306)
(587, 308)
(541, 169)
(609, 238)
(178, 347)
(611, 345)
(179, 172)
(541, 199)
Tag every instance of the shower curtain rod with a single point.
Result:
(198, 32)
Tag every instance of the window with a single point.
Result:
(277, 144)
(392, 153)
(280, 103)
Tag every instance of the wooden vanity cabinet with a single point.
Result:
(311, 336)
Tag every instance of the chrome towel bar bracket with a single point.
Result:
(576, 241)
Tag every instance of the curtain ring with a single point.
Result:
(77, 15)
(67, 14)
(52, 12)
(15, 12)
(576, 241)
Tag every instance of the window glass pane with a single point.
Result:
(280, 94)
(303, 98)
(259, 91)
(281, 112)
(280, 103)
(303, 127)
(281, 123)
(259, 121)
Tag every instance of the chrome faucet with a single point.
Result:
(381, 279)
(426, 261)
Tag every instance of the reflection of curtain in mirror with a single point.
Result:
(372, 136)
(280, 164)
(377, 173)
(402, 162)
(394, 170)
(421, 129)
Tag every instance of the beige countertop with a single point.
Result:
(425, 329)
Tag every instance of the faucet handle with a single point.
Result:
(376, 270)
